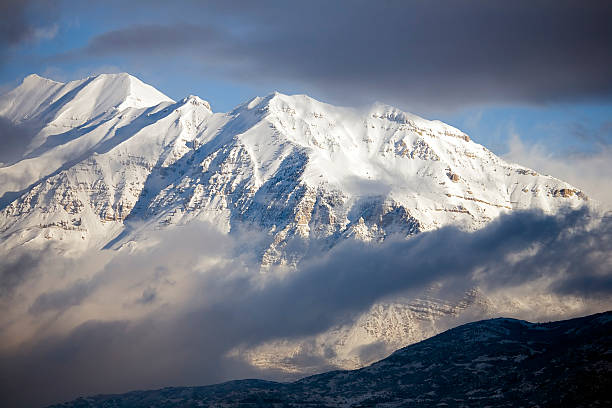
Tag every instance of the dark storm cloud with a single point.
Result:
(443, 53)
(355, 275)
(19, 19)
(229, 304)
(14, 26)
(575, 255)
(153, 38)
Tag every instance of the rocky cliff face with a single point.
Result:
(112, 159)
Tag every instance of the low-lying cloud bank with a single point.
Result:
(169, 314)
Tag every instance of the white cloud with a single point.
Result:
(590, 172)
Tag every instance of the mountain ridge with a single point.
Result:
(330, 154)
(496, 362)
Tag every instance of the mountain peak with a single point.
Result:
(134, 92)
(35, 78)
(381, 110)
(196, 100)
(76, 102)
(302, 107)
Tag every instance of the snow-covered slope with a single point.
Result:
(49, 101)
(113, 159)
(111, 148)
(69, 120)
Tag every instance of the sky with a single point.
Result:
(528, 79)
(537, 69)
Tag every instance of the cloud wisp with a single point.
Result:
(590, 171)
(170, 314)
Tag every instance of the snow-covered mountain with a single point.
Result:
(112, 159)
(110, 149)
